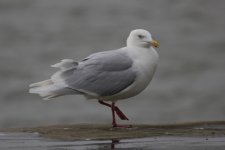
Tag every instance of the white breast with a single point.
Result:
(145, 63)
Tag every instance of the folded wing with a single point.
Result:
(101, 74)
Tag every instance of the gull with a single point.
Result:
(106, 76)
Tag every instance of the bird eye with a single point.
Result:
(140, 36)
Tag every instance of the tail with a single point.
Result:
(55, 86)
(48, 89)
(44, 89)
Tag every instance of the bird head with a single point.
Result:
(141, 38)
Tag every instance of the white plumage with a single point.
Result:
(106, 76)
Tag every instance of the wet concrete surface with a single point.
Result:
(22, 141)
(75, 132)
(183, 136)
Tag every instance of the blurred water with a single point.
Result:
(188, 86)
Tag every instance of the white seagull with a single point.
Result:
(106, 76)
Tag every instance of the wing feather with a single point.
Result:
(104, 73)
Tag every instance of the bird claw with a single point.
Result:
(119, 113)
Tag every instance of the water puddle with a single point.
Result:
(21, 141)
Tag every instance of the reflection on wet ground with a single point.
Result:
(21, 141)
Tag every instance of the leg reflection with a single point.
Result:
(114, 142)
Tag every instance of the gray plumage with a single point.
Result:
(103, 73)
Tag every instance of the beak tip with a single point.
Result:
(155, 43)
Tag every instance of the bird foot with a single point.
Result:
(119, 113)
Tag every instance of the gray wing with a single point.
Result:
(104, 73)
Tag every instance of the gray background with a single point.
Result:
(189, 84)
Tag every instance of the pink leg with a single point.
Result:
(104, 103)
(118, 112)
(113, 115)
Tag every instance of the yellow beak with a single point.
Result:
(154, 43)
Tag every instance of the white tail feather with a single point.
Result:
(55, 86)
(42, 83)
(65, 64)
(49, 89)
